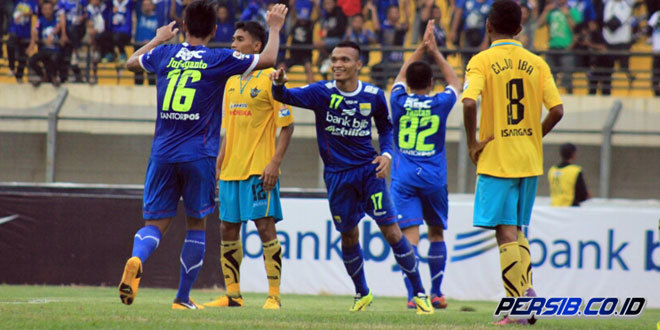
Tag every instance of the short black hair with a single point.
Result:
(505, 17)
(200, 18)
(567, 150)
(255, 30)
(419, 75)
(350, 44)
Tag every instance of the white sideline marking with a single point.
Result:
(9, 218)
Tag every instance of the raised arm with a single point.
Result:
(163, 34)
(275, 20)
(432, 47)
(416, 56)
(299, 97)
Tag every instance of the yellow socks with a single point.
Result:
(525, 261)
(273, 263)
(231, 255)
(512, 270)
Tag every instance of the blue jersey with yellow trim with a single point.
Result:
(343, 121)
(420, 124)
(190, 84)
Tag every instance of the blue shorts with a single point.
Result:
(416, 204)
(353, 192)
(166, 183)
(245, 200)
(504, 201)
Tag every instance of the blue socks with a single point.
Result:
(354, 263)
(405, 257)
(406, 281)
(145, 242)
(437, 259)
(192, 258)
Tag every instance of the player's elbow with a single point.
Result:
(133, 66)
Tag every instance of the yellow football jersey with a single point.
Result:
(513, 84)
(251, 117)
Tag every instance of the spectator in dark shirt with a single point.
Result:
(567, 186)
(145, 30)
(301, 35)
(225, 25)
(72, 15)
(19, 36)
(360, 35)
(122, 23)
(391, 33)
(6, 7)
(48, 33)
(333, 29)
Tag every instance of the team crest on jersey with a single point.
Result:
(284, 111)
(254, 92)
(365, 109)
(187, 54)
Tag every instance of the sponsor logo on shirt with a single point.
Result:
(348, 112)
(187, 54)
(239, 55)
(179, 116)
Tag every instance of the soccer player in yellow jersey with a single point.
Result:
(248, 165)
(513, 84)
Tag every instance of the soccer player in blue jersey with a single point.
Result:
(190, 82)
(419, 172)
(354, 173)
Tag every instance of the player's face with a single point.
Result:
(345, 63)
(47, 10)
(243, 42)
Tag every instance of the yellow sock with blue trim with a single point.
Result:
(273, 263)
(511, 269)
(525, 261)
(231, 256)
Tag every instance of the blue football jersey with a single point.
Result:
(420, 124)
(190, 86)
(343, 121)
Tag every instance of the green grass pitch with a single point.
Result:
(67, 307)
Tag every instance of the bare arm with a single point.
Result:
(163, 34)
(272, 170)
(553, 117)
(275, 20)
(432, 46)
(475, 146)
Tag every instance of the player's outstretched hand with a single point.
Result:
(166, 32)
(275, 16)
(269, 176)
(477, 148)
(278, 76)
(383, 165)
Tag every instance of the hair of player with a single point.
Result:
(255, 30)
(567, 150)
(350, 44)
(200, 18)
(505, 17)
(419, 75)
(47, 2)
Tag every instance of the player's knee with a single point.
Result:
(506, 234)
(230, 231)
(392, 233)
(350, 237)
(436, 234)
(266, 229)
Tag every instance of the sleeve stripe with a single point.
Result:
(255, 60)
(400, 83)
(453, 90)
(142, 64)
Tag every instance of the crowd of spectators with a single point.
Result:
(589, 36)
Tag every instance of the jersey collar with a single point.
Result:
(353, 93)
(505, 42)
